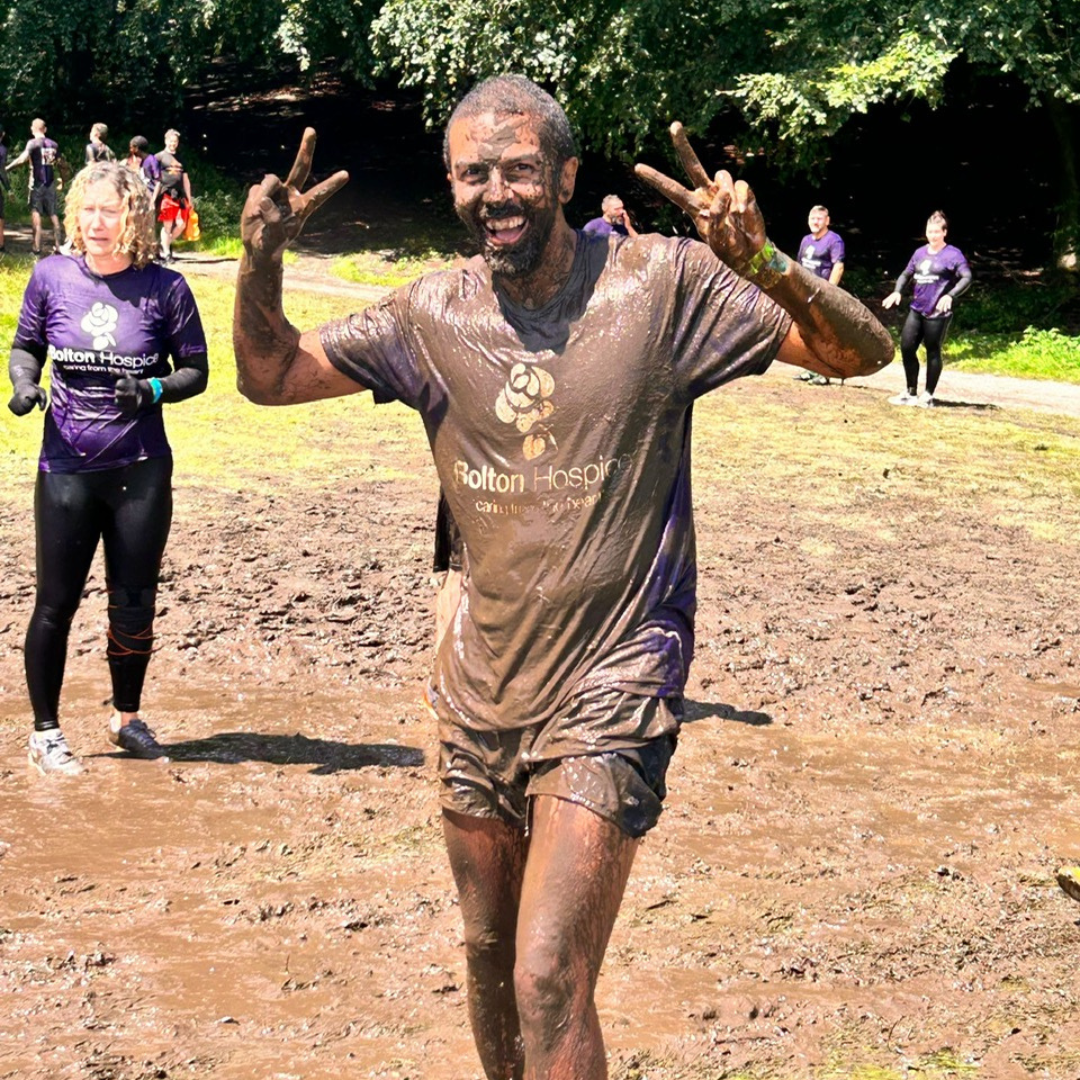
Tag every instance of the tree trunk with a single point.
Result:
(1065, 119)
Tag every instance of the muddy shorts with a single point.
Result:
(494, 774)
(43, 199)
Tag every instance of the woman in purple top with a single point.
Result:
(941, 274)
(110, 321)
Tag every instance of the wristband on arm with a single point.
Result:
(766, 268)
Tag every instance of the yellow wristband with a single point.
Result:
(760, 269)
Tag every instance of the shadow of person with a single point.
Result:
(234, 747)
(704, 710)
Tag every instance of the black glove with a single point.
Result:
(27, 395)
(133, 394)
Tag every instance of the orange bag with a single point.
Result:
(191, 229)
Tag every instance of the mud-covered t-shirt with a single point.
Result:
(935, 273)
(93, 328)
(820, 256)
(43, 156)
(171, 173)
(561, 437)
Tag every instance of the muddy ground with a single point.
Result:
(853, 876)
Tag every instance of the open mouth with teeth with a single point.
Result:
(503, 231)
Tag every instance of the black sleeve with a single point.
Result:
(901, 281)
(187, 381)
(25, 365)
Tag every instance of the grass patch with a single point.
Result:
(388, 268)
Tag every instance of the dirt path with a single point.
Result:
(853, 876)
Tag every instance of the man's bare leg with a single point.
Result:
(57, 235)
(575, 877)
(488, 860)
(35, 224)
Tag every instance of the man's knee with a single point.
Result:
(549, 985)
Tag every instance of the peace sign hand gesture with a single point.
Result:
(724, 211)
(275, 212)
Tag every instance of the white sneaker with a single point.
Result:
(926, 401)
(50, 753)
(904, 399)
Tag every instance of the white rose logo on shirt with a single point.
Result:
(524, 402)
(100, 322)
(925, 266)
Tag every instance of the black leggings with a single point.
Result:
(919, 330)
(130, 509)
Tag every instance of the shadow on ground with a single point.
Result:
(234, 747)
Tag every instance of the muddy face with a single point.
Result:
(505, 189)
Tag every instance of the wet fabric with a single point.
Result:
(562, 441)
(92, 329)
(935, 273)
(171, 174)
(494, 774)
(820, 256)
(130, 511)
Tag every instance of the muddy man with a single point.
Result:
(555, 375)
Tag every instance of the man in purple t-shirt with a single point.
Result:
(613, 219)
(5, 185)
(821, 251)
(44, 157)
(555, 375)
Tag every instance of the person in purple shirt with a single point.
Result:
(124, 338)
(5, 186)
(821, 251)
(44, 157)
(613, 219)
(141, 161)
(941, 274)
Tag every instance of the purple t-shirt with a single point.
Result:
(602, 227)
(91, 327)
(43, 155)
(561, 437)
(934, 273)
(820, 256)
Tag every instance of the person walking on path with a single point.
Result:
(5, 187)
(941, 274)
(45, 158)
(109, 320)
(555, 374)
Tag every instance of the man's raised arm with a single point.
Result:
(276, 364)
(833, 333)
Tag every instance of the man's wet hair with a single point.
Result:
(140, 142)
(820, 209)
(938, 218)
(515, 95)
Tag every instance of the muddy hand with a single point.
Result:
(275, 212)
(725, 213)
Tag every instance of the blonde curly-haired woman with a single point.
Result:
(124, 338)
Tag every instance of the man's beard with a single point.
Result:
(524, 257)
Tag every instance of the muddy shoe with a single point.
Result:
(1068, 877)
(135, 737)
(50, 753)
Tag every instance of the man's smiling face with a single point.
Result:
(505, 189)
